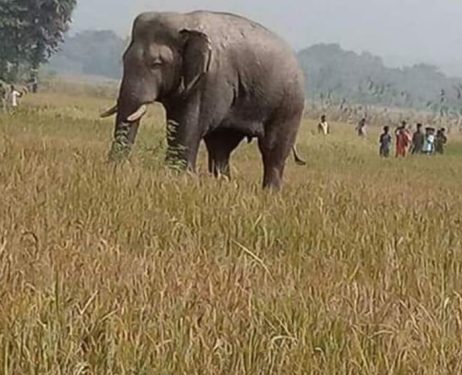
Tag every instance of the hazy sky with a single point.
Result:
(399, 30)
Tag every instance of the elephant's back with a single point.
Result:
(227, 30)
(229, 21)
(247, 43)
(262, 65)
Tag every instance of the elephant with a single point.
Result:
(221, 78)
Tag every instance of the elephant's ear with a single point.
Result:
(197, 56)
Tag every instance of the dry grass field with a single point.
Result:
(354, 268)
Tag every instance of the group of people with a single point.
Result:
(430, 142)
(9, 98)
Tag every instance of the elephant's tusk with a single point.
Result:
(109, 112)
(138, 114)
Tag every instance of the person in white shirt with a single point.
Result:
(323, 126)
(14, 96)
(362, 127)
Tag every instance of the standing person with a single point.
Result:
(361, 128)
(323, 126)
(385, 142)
(402, 140)
(14, 95)
(418, 139)
(33, 84)
(440, 141)
(429, 143)
(2, 97)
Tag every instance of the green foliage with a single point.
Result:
(30, 31)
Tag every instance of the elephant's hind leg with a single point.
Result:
(220, 144)
(273, 166)
(275, 147)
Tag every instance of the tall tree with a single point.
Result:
(31, 31)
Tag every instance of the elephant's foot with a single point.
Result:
(220, 168)
(272, 179)
(181, 158)
(273, 165)
(176, 163)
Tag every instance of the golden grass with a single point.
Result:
(355, 268)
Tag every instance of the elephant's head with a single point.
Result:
(165, 58)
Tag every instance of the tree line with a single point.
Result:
(339, 77)
(30, 32)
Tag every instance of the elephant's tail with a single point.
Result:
(297, 157)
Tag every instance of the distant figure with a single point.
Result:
(429, 142)
(402, 140)
(385, 142)
(440, 141)
(361, 128)
(33, 84)
(2, 97)
(14, 95)
(323, 126)
(418, 139)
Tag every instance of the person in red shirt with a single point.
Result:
(403, 140)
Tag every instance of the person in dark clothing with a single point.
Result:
(34, 84)
(418, 139)
(440, 141)
(385, 142)
(2, 97)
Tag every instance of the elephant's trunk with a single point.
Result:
(130, 110)
(125, 131)
(124, 137)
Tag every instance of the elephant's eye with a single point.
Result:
(157, 62)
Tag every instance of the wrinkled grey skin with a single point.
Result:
(221, 78)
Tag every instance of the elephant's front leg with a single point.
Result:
(182, 148)
(184, 133)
